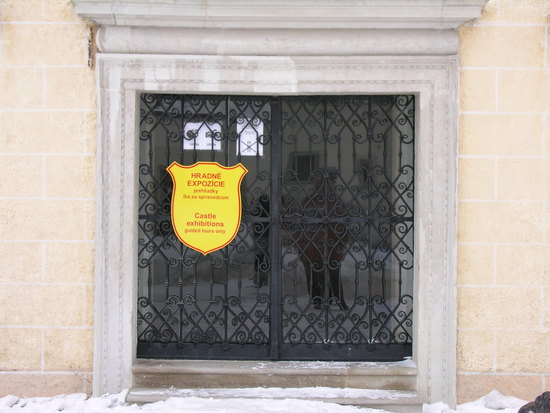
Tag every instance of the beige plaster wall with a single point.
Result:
(47, 193)
(504, 209)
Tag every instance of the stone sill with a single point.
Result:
(338, 382)
(291, 368)
(389, 400)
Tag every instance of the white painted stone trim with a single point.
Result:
(288, 42)
(434, 81)
(283, 14)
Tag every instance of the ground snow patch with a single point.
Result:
(77, 403)
(196, 405)
(438, 407)
(494, 402)
(319, 393)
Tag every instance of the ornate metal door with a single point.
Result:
(322, 266)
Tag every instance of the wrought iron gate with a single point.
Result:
(322, 265)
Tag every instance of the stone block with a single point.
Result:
(489, 11)
(89, 306)
(17, 10)
(47, 132)
(42, 219)
(524, 91)
(41, 305)
(60, 11)
(69, 262)
(90, 135)
(524, 179)
(70, 88)
(58, 45)
(41, 385)
(89, 384)
(546, 305)
(476, 178)
(20, 88)
(482, 46)
(70, 176)
(68, 349)
(89, 228)
(501, 221)
(477, 90)
(518, 11)
(475, 264)
(523, 352)
(523, 264)
(497, 134)
(475, 350)
(502, 307)
(20, 349)
(20, 261)
(546, 222)
(471, 387)
(21, 176)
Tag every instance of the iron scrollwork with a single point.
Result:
(325, 245)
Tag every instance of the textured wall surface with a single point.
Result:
(47, 193)
(504, 210)
(47, 135)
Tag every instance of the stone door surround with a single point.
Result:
(286, 47)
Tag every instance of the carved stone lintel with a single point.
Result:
(259, 42)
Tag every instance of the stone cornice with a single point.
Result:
(282, 14)
(279, 28)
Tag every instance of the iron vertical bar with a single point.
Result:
(225, 251)
(340, 292)
(149, 283)
(356, 175)
(370, 189)
(170, 101)
(167, 283)
(326, 226)
(181, 245)
(275, 327)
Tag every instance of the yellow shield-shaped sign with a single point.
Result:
(206, 204)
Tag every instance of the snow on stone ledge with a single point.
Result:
(280, 393)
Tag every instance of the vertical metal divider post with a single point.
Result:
(181, 248)
(325, 225)
(225, 250)
(370, 189)
(275, 282)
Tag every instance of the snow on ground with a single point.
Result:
(492, 402)
(79, 403)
